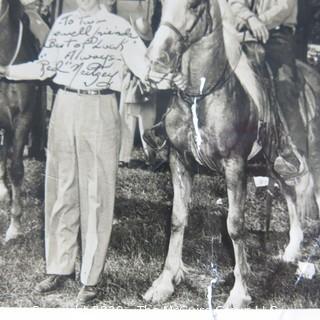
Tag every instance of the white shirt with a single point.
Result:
(272, 13)
(87, 52)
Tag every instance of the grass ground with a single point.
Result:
(138, 247)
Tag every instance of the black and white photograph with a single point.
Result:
(160, 155)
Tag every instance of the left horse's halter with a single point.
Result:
(18, 46)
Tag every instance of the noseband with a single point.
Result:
(184, 40)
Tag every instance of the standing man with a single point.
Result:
(273, 22)
(84, 54)
(134, 107)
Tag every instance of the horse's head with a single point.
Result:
(183, 22)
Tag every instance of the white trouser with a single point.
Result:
(145, 114)
(83, 150)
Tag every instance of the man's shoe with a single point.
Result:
(52, 282)
(86, 294)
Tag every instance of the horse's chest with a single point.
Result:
(202, 131)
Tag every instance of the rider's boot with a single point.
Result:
(156, 137)
(291, 161)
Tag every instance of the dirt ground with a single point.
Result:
(138, 247)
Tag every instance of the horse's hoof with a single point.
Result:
(159, 292)
(237, 300)
(13, 233)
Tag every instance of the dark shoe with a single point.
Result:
(52, 282)
(123, 164)
(86, 294)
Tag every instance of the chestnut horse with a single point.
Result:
(215, 122)
(17, 105)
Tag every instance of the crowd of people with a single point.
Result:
(91, 54)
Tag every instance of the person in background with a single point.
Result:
(273, 24)
(135, 107)
(307, 31)
(84, 136)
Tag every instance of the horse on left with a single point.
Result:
(18, 103)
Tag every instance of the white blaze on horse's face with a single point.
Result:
(183, 22)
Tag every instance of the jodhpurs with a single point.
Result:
(280, 54)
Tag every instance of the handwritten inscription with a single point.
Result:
(87, 49)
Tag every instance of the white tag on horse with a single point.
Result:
(306, 270)
(261, 181)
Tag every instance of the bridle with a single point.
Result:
(18, 46)
(185, 43)
(184, 40)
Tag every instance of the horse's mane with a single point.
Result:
(16, 10)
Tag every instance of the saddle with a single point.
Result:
(271, 128)
(247, 57)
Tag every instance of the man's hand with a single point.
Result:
(258, 29)
(3, 71)
(165, 81)
(240, 24)
(179, 81)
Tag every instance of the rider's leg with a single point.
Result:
(281, 58)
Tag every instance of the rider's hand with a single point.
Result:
(3, 71)
(258, 29)
(180, 81)
(240, 24)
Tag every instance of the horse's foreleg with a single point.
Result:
(4, 192)
(300, 202)
(236, 184)
(16, 173)
(296, 235)
(162, 288)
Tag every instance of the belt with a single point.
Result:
(291, 29)
(87, 92)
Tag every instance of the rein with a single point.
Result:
(189, 97)
(5, 13)
(18, 46)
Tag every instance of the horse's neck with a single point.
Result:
(206, 59)
(8, 36)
